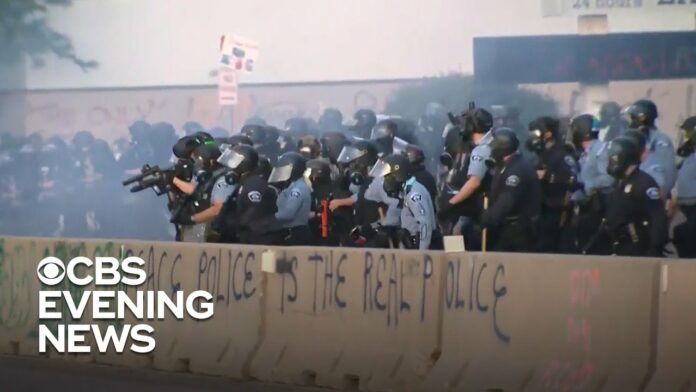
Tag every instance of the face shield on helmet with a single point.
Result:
(231, 158)
(381, 169)
(399, 145)
(380, 132)
(280, 174)
(349, 154)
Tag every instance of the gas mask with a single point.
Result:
(687, 143)
(535, 142)
(391, 186)
(616, 168)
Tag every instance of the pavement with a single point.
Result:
(32, 374)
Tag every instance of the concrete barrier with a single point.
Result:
(365, 319)
(391, 320)
(19, 288)
(676, 353)
(546, 322)
(222, 345)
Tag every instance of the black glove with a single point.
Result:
(184, 220)
(183, 171)
(444, 209)
(409, 241)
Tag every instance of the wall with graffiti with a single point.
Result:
(389, 319)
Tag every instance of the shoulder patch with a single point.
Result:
(657, 168)
(254, 196)
(653, 193)
(662, 144)
(416, 197)
(476, 158)
(569, 161)
(513, 180)
(295, 194)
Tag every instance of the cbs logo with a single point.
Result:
(103, 271)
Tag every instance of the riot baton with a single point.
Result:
(484, 232)
(566, 202)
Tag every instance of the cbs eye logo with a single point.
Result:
(51, 271)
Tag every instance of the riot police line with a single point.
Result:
(597, 189)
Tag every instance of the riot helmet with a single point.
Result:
(623, 153)
(415, 156)
(504, 143)
(289, 167)
(256, 133)
(242, 159)
(318, 172)
(641, 115)
(541, 131)
(583, 128)
(331, 145)
(687, 137)
(309, 147)
(395, 169)
(331, 120)
(609, 113)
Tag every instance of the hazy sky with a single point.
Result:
(175, 42)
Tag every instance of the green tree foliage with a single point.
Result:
(24, 31)
(455, 91)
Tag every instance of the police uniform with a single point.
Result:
(368, 200)
(514, 205)
(255, 213)
(219, 191)
(635, 217)
(660, 162)
(477, 163)
(685, 233)
(294, 205)
(590, 201)
(426, 179)
(560, 174)
(375, 192)
(418, 218)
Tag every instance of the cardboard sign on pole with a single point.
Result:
(228, 87)
(238, 53)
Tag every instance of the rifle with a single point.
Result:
(160, 180)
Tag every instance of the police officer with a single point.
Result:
(331, 120)
(208, 191)
(635, 216)
(331, 145)
(418, 224)
(328, 228)
(416, 158)
(309, 147)
(557, 171)
(515, 197)
(263, 140)
(385, 136)
(363, 122)
(374, 227)
(611, 125)
(685, 233)
(294, 199)
(248, 215)
(476, 125)
(660, 162)
(594, 184)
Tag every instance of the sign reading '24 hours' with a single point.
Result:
(585, 7)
